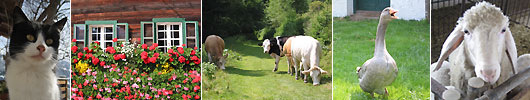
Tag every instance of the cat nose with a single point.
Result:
(41, 48)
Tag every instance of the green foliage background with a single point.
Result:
(261, 19)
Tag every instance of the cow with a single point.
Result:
(274, 47)
(214, 46)
(306, 52)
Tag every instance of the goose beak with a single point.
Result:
(393, 14)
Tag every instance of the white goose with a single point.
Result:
(381, 70)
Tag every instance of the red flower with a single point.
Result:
(197, 97)
(111, 50)
(152, 59)
(192, 52)
(180, 50)
(187, 62)
(122, 56)
(143, 55)
(185, 80)
(156, 55)
(85, 49)
(97, 42)
(79, 55)
(115, 40)
(171, 60)
(196, 88)
(194, 58)
(184, 97)
(183, 45)
(95, 61)
(194, 48)
(170, 51)
(74, 49)
(102, 63)
(153, 46)
(182, 59)
(105, 80)
(89, 50)
(74, 40)
(75, 60)
(116, 57)
(198, 61)
(144, 46)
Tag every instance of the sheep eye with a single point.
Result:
(465, 31)
(49, 41)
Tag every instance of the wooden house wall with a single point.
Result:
(134, 11)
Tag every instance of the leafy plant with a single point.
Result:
(135, 72)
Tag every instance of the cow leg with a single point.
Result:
(306, 67)
(290, 65)
(277, 58)
(296, 65)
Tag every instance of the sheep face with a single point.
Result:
(266, 45)
(484, 27)
(315, 73)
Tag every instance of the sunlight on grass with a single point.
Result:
(407, 42)
(252, 77)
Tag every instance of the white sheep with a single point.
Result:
(481, 45)
(306, 52)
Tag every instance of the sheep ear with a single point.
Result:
(451, 43)
(511, 50)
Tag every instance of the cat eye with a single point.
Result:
(30, 37)
(49, 41)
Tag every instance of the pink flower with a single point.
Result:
(115, 40)
(135, 85)
(182, 59)
(125, 82)
(196, 88)
(180, 50)
(74, 40)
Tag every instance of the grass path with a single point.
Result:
(252, 77)
(407, 42)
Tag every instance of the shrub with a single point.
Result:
(135, 72)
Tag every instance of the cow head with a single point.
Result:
(266, 45)
(315, 73)
(221, 61)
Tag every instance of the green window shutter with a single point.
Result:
(147, 27)
(122, 27)
(196, 38)
(80, 34)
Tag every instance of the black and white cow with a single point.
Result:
(274, 47)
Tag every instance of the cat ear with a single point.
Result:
(19, 16)
(60, 24)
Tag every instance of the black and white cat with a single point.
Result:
(32, 56)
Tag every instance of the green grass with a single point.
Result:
(407, 42)
(251, 77)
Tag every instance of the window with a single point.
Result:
(79, 35)
(147, 32)
(169, 34)
(121, 32)
(102, 34)
(191, 37)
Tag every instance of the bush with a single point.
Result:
(135, 72)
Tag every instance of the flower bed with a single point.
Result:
(135, 72)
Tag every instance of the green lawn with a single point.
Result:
(407, 42)
(251, 77)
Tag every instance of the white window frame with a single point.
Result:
(167, 32)
(102, 33)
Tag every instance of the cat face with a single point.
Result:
(32, 41)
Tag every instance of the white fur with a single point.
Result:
(482, 52)
(31, 79)
(306, 53)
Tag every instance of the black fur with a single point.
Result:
(275, 48)
(22, 27)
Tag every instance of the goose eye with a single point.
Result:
(49, 41)
(503, 30)
(465, 31)
(30, 37)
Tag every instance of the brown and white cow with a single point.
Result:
(214, 46)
